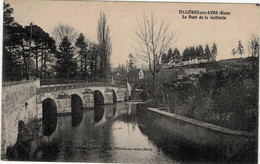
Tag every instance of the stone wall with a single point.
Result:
(18, 104)
(21, 102)
(225, 140)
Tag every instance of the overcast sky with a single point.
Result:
(122, 19)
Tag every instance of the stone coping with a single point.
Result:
(9, 83)
(52, 88)
(203, 124)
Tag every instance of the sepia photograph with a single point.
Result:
(129, 82)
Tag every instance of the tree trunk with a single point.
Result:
(45, 56)
(42, 64)
(36, 60)
(85, 69)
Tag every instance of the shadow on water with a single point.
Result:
(180, 149)
(114, 96)
(48, 152)
(175, 147)
(49, 116)
(99, 111)
(114, 111)
(76, 110)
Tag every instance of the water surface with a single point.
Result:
(107, 133)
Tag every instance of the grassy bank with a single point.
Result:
(226, 97)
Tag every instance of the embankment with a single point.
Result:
(227, 98)
(18, 104)
(222, 142)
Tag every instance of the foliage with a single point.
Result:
(65, 66)
(131, 62)
(176, 55)
(240, 48)
(253, 46)
(23, 48)
(214, 51)
(164, 58)
(199, 53)
(104, 40)
(227, 97)
(83, 54)
(28, 51)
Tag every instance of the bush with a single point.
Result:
(227, 98)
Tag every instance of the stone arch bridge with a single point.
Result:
(90, 94)
(29, 100)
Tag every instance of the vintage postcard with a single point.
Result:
(130, 82)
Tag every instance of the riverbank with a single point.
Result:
(106, 134)
(227, 97)
(218, 142)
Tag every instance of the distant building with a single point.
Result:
(170, 75)
(134, 76)
(133, 80)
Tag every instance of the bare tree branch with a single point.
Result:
(153, 39)
(62, 31)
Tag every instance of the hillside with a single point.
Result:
(237, 63)
(227, 95)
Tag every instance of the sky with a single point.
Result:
(241, 24)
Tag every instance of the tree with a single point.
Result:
(9, 60)
(65, 67)
(214, 52)
(131, 62)
(170, 55)
(253, 46)
(153, 39)
(21, 44)
(186, 55)
(233, 52)
(8, 19)
(83, 58)
(61, 31)
(164, 58)
(48, 56)
(94, 59)
(207, 52)
(201, 52)
(240, 48)
(103, 36)
(192, 54)
(176, 55)
(197, 53)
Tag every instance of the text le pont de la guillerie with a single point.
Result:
(197, 14)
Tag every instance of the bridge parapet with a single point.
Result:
(45, 89)
(59, 81)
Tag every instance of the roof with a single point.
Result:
(133, 72)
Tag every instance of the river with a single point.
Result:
(107, 133)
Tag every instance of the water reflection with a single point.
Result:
(107, 133)
(49, 116)
(99, 113)
(76, 110)
(176, 146)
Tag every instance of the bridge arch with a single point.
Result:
(98, 98)
(49, 116)
(114, 96)
(76, 109)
